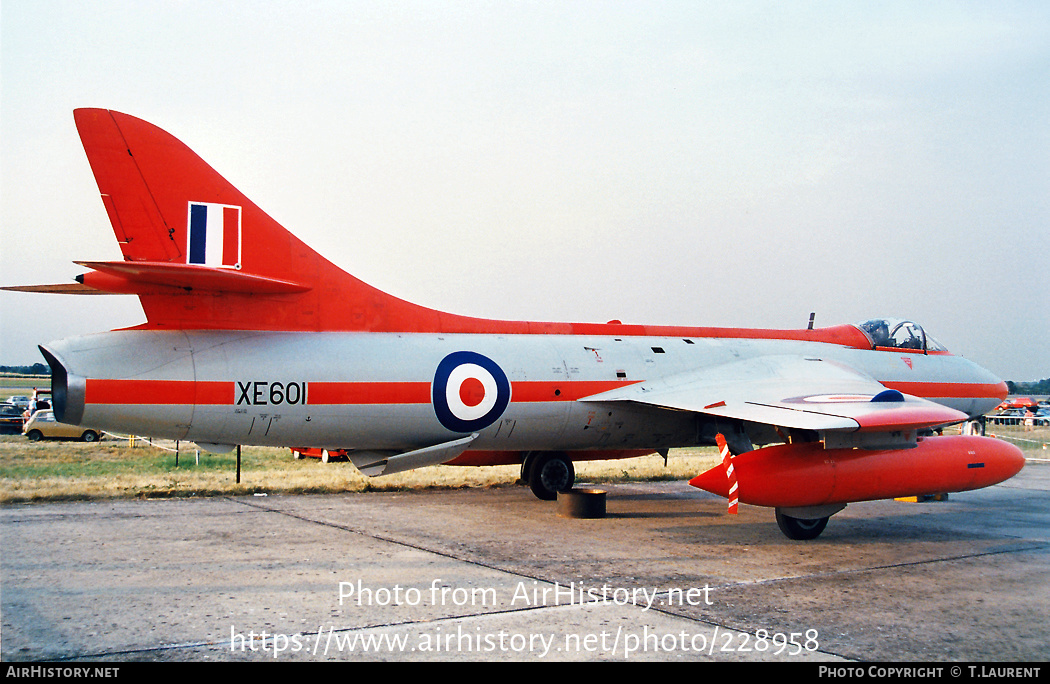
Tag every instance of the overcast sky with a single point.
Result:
(694, 163)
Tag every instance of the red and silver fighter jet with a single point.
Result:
(253, 338)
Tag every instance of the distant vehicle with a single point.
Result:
(40, 400)
(325, 455)
(42, 425)
(1017, 402)
(20, 401)
(10, 418)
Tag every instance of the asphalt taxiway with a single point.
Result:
(494, 574)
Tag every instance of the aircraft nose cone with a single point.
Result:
(994, 398)
(988, 389)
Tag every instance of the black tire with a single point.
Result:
(800, 528)
(549, 474)
(35, 435)
(89, 436)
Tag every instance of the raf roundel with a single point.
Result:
(470, 391)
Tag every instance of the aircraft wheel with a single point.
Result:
(296, 454)
(800, 528)
(325, 456)
(551, 473)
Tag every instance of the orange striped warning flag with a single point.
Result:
(727, 463)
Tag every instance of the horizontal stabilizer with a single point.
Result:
(374, 464)
(195, 277)
(61, 288)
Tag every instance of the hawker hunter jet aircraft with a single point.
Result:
(251, 337)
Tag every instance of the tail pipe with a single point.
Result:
(67, 390)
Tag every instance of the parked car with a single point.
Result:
(21, 401)
(10, 418)
(41, 400)
(42, 425)
(1017, 402)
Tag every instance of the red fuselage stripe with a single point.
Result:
(419, 392)
(949, 390)
(157, 392)
(328, 393)
(185, 392)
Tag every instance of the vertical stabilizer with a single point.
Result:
(201, 255)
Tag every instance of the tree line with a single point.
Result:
(35, 369)
(1037, 387)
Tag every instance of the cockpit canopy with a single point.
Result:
(896, 333)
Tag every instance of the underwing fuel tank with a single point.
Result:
(808, 475)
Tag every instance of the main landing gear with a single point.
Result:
(547, 473)
(550, 472)
(807, 522)
(801, 528)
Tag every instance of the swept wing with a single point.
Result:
(791, 392)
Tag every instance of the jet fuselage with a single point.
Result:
(384, 391)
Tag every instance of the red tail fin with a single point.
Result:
(201, 255)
